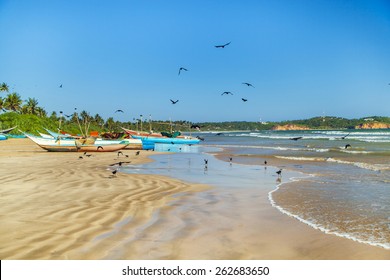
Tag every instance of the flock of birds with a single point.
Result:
(225, 92)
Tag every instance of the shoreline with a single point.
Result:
(86, 214)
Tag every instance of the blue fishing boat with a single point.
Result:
(148, 142)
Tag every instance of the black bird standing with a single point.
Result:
(222, 46)
(174, 102)
(182, 68)
(279, 172)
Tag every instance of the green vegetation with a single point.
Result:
(30, 117)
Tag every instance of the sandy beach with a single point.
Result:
(57, 206)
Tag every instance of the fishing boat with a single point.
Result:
(148, 142)
(175, 134)
(133, 144)
(5, 131)
(76, 145)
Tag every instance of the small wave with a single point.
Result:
(319, 227)
(373, 167)
(302, 158)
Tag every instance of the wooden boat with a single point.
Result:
(76, 145)
(149, 142)
(84, 148)
(130, 132)
(5, 131)
(55, 138)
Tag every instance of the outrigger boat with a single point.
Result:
(133, 144)
(76, 145)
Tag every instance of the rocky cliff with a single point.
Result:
(290, 127)
(372, 125)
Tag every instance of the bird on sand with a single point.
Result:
(182, 69)
(137, 153)
(87, 155)
(114, 172)
(119, 111)
(222, 46)
(227, 92)
(248, 84)
(174, 102)
(243, 99)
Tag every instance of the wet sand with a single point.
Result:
(57, 206)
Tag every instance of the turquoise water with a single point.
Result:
(343, 191)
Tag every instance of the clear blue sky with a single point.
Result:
(304, 58)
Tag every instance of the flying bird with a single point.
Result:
(195, 126)
(100, 147)
(182, 68)
(60, 85)
(296, 138)
(119, 111)
(120, 163)
(137, 153)
(174, 102)
(243, 99)
(348, 146)
(222, 46)
(248, 84)
(343, 137)
(227, 92)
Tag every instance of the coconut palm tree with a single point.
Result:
(2, 104)
(13, 102)
(98, 120)
(41, 112)
(31, 105)
(4, 87)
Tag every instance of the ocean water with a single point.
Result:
(336, 189)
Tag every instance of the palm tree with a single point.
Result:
(98, 120)
(13, 102)
(32, 105)
(41, 112)
(2, 108)
(110, 123)
(4, 87)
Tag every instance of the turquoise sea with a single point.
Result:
(341, 180)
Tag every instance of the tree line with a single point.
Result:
(30, 117)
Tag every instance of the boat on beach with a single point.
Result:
(148, 142)
(77, 145)
(66, 138)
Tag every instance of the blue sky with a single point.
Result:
(304, 58)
